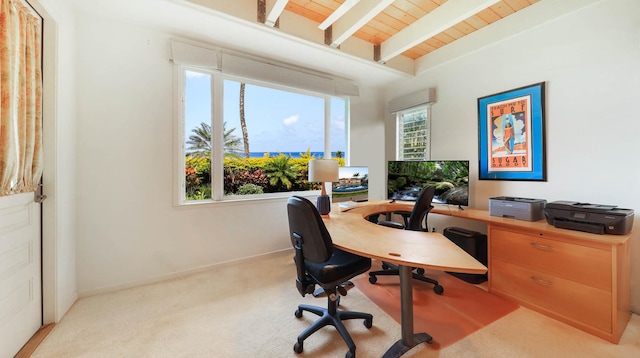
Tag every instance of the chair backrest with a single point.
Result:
(421, 209)
(306, 226)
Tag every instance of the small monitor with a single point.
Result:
(352, 185)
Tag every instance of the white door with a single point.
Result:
(20, 278)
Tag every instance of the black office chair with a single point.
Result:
(319, 262)
(413, 220)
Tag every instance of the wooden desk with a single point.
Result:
(579, 278)
(351, 232)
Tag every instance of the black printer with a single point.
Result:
(594, 218)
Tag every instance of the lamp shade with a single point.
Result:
(323, 170)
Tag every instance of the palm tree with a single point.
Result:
(243, 123)
(200, 141)
(280, 171)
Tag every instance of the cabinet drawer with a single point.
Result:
(582, 264)
(569, 299)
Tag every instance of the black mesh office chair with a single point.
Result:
(318, 262)
(413, 220)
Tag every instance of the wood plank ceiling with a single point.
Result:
(411, 28)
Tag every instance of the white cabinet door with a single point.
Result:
(20, 278)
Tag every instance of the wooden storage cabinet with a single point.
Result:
(575, 280)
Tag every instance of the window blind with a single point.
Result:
(187, 54)
(412, 100)
(260, 69)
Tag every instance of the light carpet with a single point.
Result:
(247, 310)
(462, 309)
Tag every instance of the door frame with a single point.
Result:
(52, 243)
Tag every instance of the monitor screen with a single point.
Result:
(405, 179)
(353, 184)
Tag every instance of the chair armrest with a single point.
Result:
(405, 216)
(392, 224)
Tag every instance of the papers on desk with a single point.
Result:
(347, 205)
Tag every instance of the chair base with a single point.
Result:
(399, 348)
(392, 270)
(331, 316)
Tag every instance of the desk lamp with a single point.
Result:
(323, 170)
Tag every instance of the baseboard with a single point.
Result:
(33, 343)
(174, 275)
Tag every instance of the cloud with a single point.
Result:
(291, 120)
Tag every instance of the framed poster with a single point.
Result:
(511, 135)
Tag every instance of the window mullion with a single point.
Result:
(327, 127)
(217, 138)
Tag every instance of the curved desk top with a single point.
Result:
(351, 232)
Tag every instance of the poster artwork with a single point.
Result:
(510, 135)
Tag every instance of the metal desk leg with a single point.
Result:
(409, 339)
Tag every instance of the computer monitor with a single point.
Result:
(353, 184)
(405, 179)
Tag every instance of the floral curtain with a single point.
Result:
(21, 98)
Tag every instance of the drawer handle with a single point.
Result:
(541, 247)
(540, 281)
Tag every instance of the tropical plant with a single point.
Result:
(243, 123)
(307, 155)
(199, 143)
(249, 189)
(280, 171)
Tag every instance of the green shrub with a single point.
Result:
(201, 192)
(247, 189)
(271, 174)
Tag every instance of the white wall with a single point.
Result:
(590, 61)
(128, 230)
(366, 137)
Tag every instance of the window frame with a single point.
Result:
(217, 119)
(400, 131)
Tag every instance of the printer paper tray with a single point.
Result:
(580, 226)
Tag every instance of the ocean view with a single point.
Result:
(317, 155)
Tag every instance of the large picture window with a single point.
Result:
(248, 139)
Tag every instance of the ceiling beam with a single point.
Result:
(275, 12)
(341, 10)
(357, 17)
(443, 17)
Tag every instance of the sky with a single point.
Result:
(347, 172)
(276, 120)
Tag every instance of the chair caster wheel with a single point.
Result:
(438, 289)
(373, 279)
(368, 323)
(298, 314)
(297, 347)
(420, 271)
(385, 266)
(350, 354)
